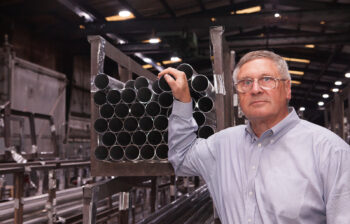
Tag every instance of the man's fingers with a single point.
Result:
(171, 82)
(176, 73)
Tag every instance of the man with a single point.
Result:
(276, 169)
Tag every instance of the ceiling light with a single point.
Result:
(249, 10)
(277, 15)
(82, 27)
(147, 60)
(297, 60)
(302, 108)
(232, 12)
(338, 83)
(322, 22)
(124, 13)
(86, 16)
(335, 90)
(147, 66)
(296, 72)
(347, 75)
(325, 95)
(320, 103)
(296, 82)
(213, 19)
(175, 59)
(171, 61)
(154, 40)
(310, 45)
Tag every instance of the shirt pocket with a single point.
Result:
(285, 194)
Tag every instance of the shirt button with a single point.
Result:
(259, 145)
(272, 141)
(253, 167)
(250, 193)
(249, 220)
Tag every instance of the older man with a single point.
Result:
(277, 168)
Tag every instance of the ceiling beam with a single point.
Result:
(201, 5)
(168, 8)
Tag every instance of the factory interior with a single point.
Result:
(84, 118)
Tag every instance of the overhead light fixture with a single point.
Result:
(296, 82)
(297, 60)
(213, 19)
(232, 12)
(320, 103)
(347, 75)
(122, 15)
(302, 109)
(293, 72)
(277, 15)
(86, 16)
(338, 83)
(310, 45)
(335, 90)
(172, 60)
(325, 95)
(323, 22)
(154, 40)
(147, 66)
(82, 27)
(249, 10)
(147, 60)
(175, 59)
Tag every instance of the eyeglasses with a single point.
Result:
(265, 82)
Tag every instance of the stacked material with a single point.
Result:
(133, 119)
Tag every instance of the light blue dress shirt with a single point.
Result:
(296, 172)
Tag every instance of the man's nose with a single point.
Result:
(256, 87)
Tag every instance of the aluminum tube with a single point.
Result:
(101, 125)
(116, 153)
(137, 109)
(108, 138)
(147, 152)
(205, 104)
(115, 124)
(154, 137)
(100, 98)
(162, 151)
(139, 138)
(121, 110)
(155, 87)
(165, 99)
(132, 152)
(146, 123)
(160, 122)
(195, 95)
(113, 96)
(101, 152)
(199, 118)
(130, 84)
(128, 95)
(170, 109)
(103, 81)
(130, 124)
(187, 69)
(144, 95)
(200, 83)
(123, 138)
(198, 213)
(153, 108)
(165, 136)
(205, 131)
(163, 85)
(141, 82)
(106, 111)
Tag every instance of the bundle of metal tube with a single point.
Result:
(183, 209)
(133, 118)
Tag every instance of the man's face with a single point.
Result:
(261, 104)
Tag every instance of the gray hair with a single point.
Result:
(278, 60)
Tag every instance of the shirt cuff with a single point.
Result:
(181, 109)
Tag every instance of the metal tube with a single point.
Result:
(106, 111)
(101, 152)
(141, 82)
(115, 124)
(130, 84)
(130, 124)
(200, 83)
(132, 152)
(121, 110)
(163, 85)
(103, 81)
(101, 125)
(147, 152)
(108, 138)
(162, 151)
(155, 87)
(199, 117)
(165, 136)
(123, 138)
(139, 138)
(144, 95)
(116, 153)
(205, 131)
(165, 99)
(137, 109)
(205, 104)
(100, 98)
(154, 137)
(128, 95)
(153, 108)
(146, 123)
(187, 69)
(113, 96)
(161, 122)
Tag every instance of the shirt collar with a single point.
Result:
(280, 128)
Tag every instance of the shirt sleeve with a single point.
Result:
(188, 154)
(335, 173)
